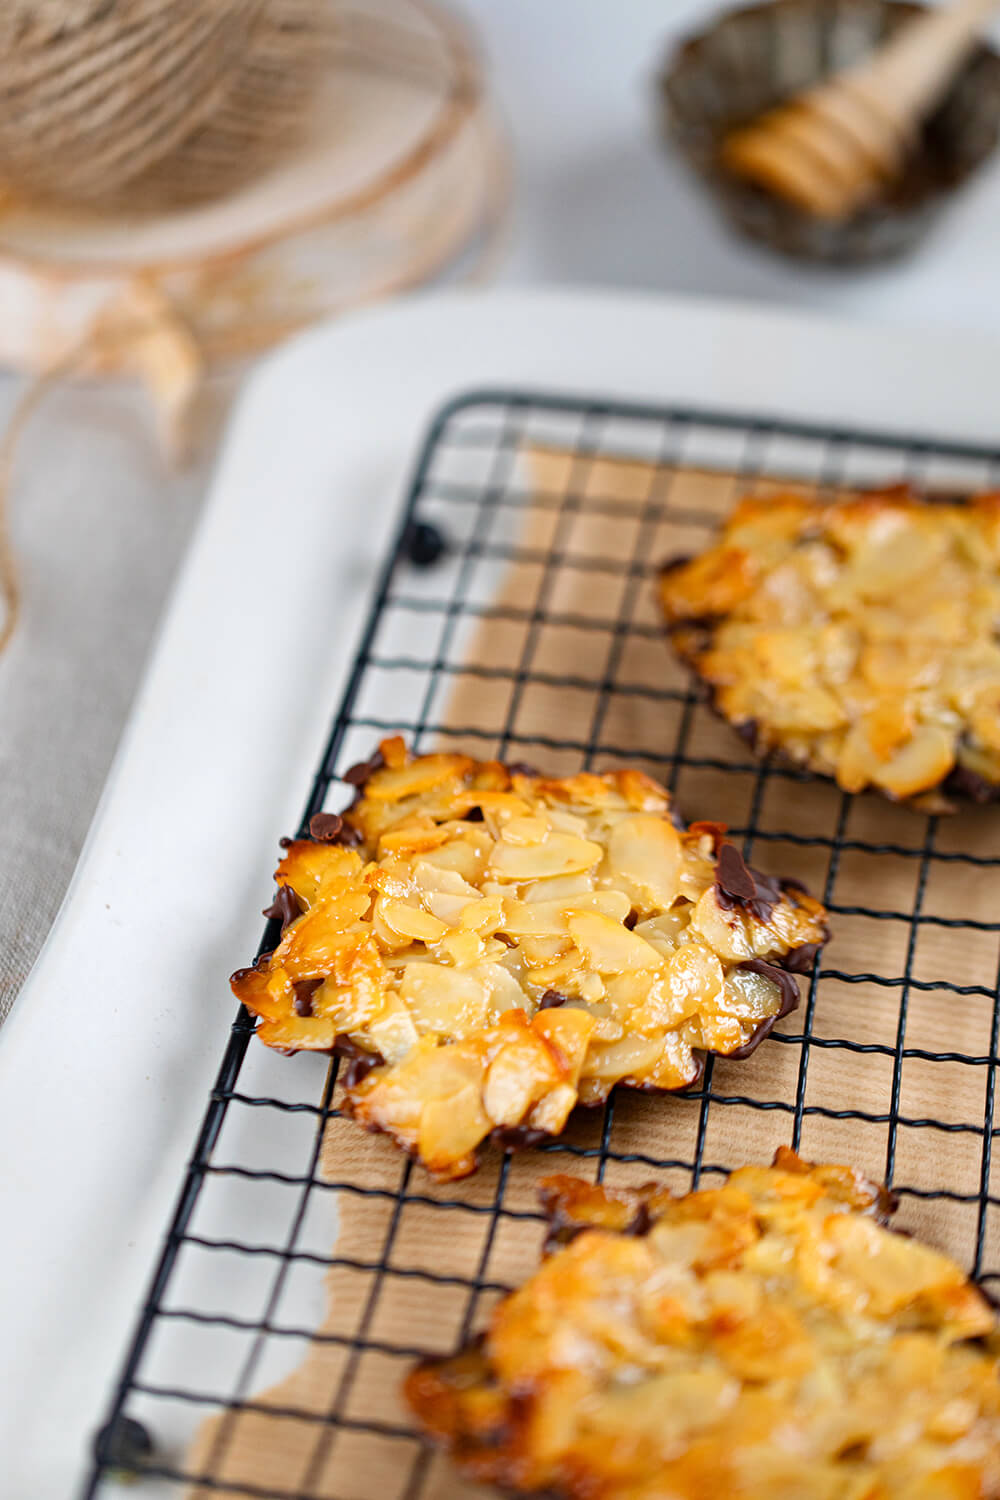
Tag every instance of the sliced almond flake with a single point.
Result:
(560, 854)
(393, 784)
(411, 921)
(393, 1031)
(538, 952)
(607, 1030)
(567, 822)
(722, 1033)
(518, 1076)
(592, 987)
(562, 975)
(752, 995)
(435, 877)
(496, 952)
(609, 947)
(483, 915)
(507, 803)
(466, 855)
(726, 932)
(525, 831)
(463, 949)
(390, 879)
(695, 977)
(664, 932)
(552, 1111)
(550, 918)
(644, 856)
(444, 1001)
(561, 888)
(567, 1032)
(447, 908)
(415, 839)
(451, 1128)
(631, 1056)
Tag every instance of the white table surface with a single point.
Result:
(597, 202)
(600, 202)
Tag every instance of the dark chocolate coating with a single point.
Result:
(302, 994)
(518, 1137)
(325, 827)
(642, 1223)
(789, 1001)
(359, 1061)
(732, 876)
(562, 1229)
(238, 975)
(561, 1234)
(800, 960)
(654, 1088)
(359, 773)
(970, 784)
(284, 908)
(715, 831)
(738, 884)
(886, 1206)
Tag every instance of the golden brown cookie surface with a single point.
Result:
(858, 638)
(490, 947)
(766, 1338)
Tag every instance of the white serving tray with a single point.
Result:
(106, 1062)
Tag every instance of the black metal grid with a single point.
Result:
(470, 482)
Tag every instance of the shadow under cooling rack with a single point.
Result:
(535, 636)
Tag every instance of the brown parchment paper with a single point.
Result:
(629, 512)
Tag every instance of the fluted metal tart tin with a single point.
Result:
(751, 58)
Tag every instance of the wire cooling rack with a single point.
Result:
(535, 637)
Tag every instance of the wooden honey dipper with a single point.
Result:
(830, 150)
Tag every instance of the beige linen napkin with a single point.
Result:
(98, 525)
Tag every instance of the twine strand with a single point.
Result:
(24, 408)
(154, 103)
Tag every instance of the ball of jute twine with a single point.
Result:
(152, 104)
(144, 330)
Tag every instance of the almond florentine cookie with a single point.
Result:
(489, 947)
(767, 1340)
(859, 638)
